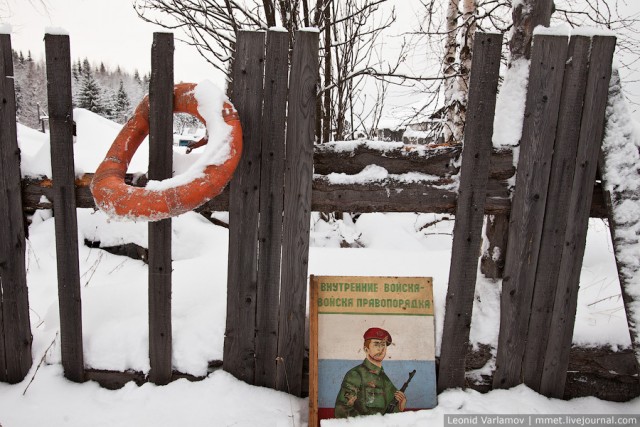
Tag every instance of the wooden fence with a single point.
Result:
(274, 190)
(270, 209)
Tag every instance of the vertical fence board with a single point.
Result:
(239, 343)
(160, 167)
(15, 329)
(467, 235)
(297, 210)
(271, 205)
(591, 135)
(64, 203)
(549, 54)
(555, 218)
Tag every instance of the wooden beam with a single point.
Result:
(61, 126)
(386, 196)
(271, 206)
(244, 204)
(467, 234)
(297, 210)
(549, 55)
(160, 167)
(15, 328)
(556, 358)
(557, 209)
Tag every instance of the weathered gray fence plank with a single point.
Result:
(297, 210)
(239, 343)
(64, 196)
(271, 205)
(549, 54)
(555, 217)
(7, 120)
(467, 234)
(160, 167)
(566, 298)
(15, 329)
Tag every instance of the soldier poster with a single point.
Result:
(372, 348)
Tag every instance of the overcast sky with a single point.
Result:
(110, 31)
(101, 30)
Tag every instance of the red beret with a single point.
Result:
(377, 334)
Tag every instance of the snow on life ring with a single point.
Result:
(161, 201)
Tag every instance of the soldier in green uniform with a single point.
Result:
(366, 389)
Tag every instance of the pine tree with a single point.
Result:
(122, 104)
(30, 87)
(108, 93)
(86, 66)
(108, 103)
(90, 95)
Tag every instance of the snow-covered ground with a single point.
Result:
(114, 303)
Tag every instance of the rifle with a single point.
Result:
(394, 402)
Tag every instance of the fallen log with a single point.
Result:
(389, 195)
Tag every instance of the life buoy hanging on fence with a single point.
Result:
(114, 196)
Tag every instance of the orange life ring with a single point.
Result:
(114, 196)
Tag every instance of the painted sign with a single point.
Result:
(371, 337)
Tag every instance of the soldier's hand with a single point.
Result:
(401, 398)
(352, 400)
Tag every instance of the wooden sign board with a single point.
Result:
(343, 310)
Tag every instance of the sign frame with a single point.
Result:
(371, 301)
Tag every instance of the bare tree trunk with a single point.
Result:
(528, 14)
(269, 12)
(467, 33)
(305, 13)
(449, 64)
(326, 117)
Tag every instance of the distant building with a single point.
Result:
(390, 134)
(423, 132)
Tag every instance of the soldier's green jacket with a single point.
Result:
(373, 389)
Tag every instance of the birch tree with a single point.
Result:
(449, 68)
(453, 29)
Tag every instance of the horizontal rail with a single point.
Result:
(389, 195)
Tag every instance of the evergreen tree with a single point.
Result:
(86, 67)
(30, 87)
(108, 93)
(90, 95)
(122, 104)
(108, 103)
(145, 83)
(76, 71)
